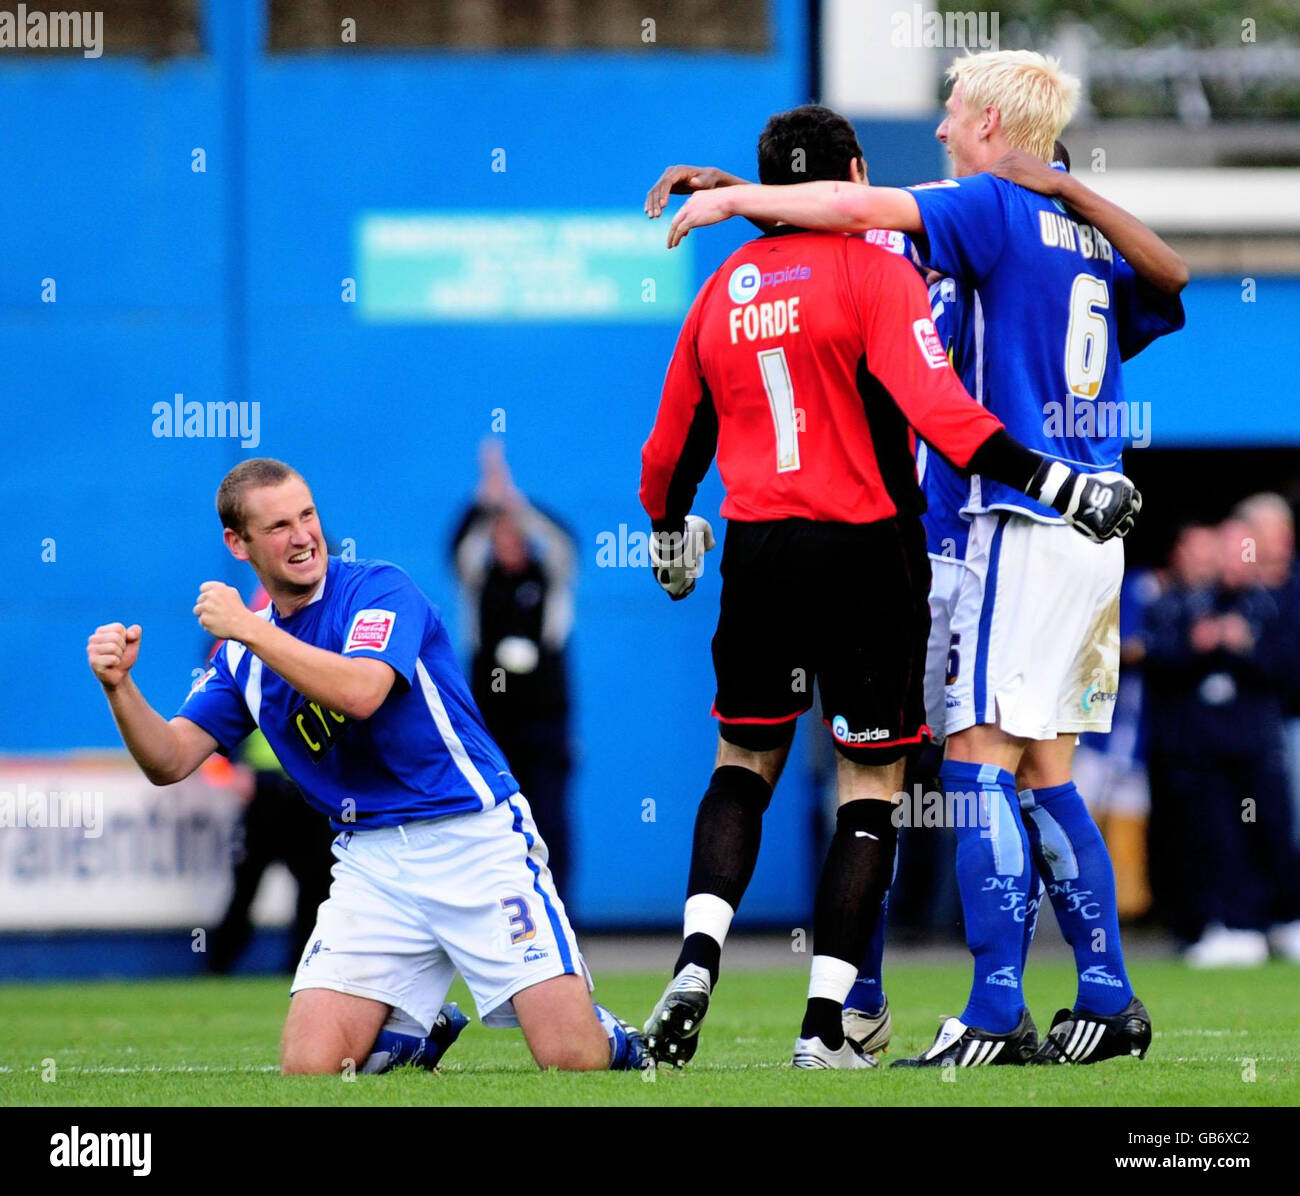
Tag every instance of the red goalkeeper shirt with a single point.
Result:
(805, 362)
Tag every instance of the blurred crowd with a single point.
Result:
(1195, 788)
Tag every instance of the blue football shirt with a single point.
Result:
(1048, 294)
(946, 491)
(424, 753)
(944, 488)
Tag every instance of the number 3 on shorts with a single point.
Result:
(522, 926)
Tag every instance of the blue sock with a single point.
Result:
(1072, 858)
(393, 1049)
(1032, 907)
(994, 872)
(868, 992)
(626, 1047)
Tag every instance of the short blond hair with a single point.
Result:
(1034, 96)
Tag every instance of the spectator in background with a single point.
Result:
(1187, 592)
(517, 568)
(1271, 526)
(277, 826)
(1271, 530)
(1217, 661)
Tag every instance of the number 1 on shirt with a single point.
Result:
(780, 396)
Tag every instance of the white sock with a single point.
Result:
(831, 978)
(707, 914)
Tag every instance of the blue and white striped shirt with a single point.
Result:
(424, 753)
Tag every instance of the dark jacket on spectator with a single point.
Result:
(1220, 702)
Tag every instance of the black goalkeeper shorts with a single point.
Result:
(846, 605)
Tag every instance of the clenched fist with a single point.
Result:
(222, 613)
(111, 650)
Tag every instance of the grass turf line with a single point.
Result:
(213, 1042)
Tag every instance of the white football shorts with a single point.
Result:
(410, 906)
(1035, 632)
(946, 574)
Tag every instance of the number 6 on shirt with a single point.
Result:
(1087, 337)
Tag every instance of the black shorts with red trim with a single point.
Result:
(845, 605)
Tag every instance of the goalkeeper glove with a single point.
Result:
(1097, 505)
(678, 559)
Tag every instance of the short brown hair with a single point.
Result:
(829, 144)
(256, 471)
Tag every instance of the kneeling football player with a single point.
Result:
(351, 676)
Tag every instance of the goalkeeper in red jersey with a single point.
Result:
(806, 363)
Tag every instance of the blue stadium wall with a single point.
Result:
(225, 284)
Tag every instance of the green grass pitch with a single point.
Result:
(1221, 1038)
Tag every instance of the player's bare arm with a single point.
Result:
(1149, 255)
(166, 751)
(348, 685)
(843, 207)
(686, 180)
